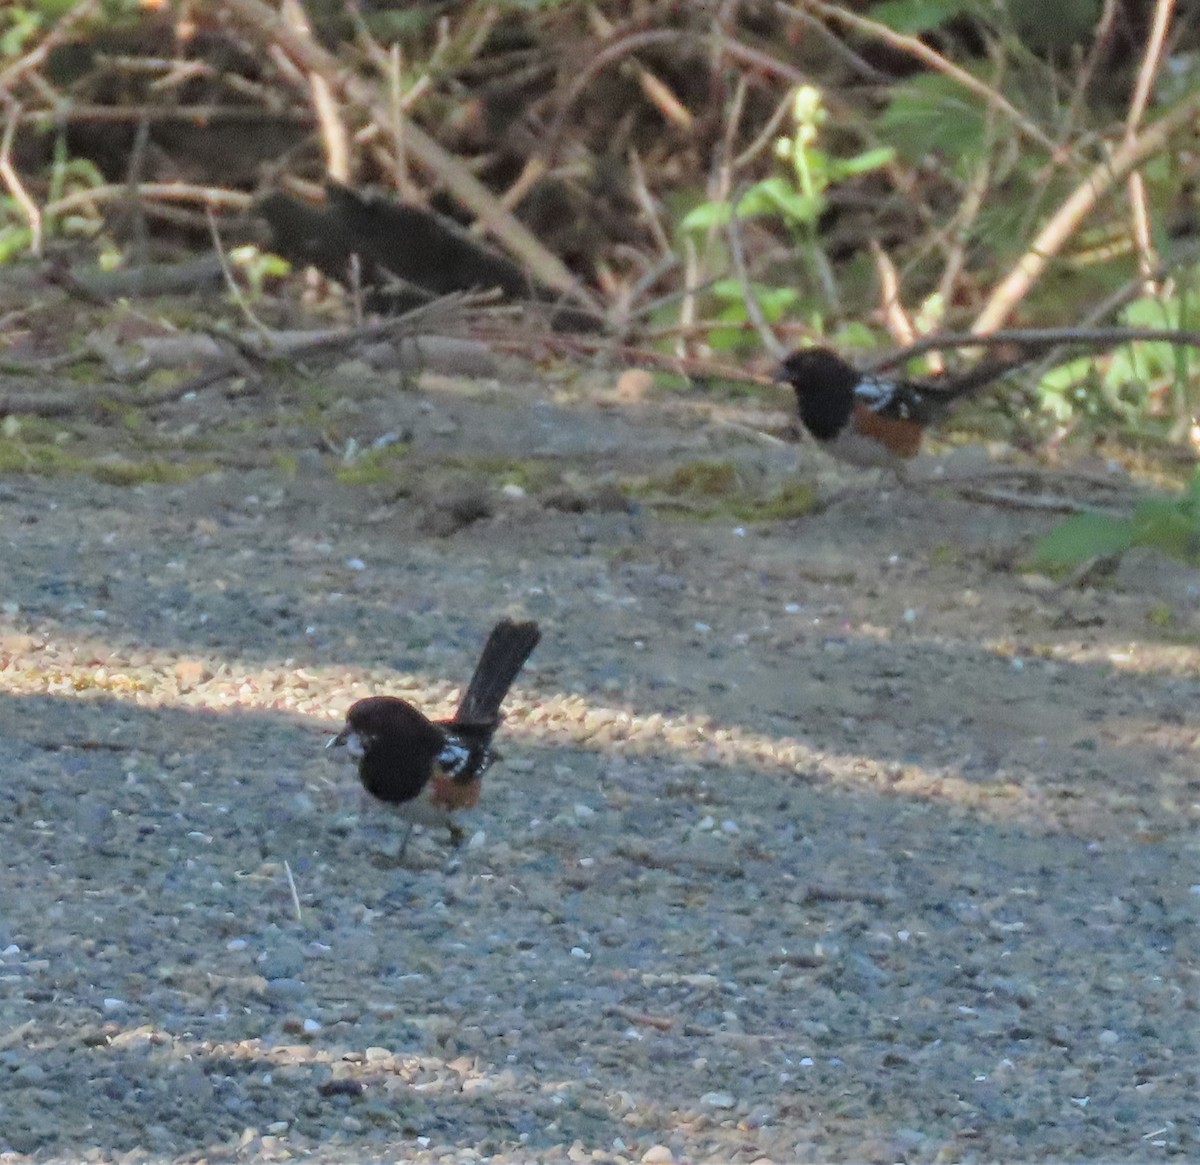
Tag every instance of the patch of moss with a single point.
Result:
(1160, 615)
(52, 459)
(796, 499)
(40, 458)
(83, 371)
(709, 479)
(667, 382)
(532, 474)
(373, 466)
(715, 489)
(946, 555)
(26, 428)
(152, 471)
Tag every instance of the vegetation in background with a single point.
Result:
(796, 198)
(1171, 525)
(910, 166)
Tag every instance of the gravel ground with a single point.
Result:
(826, 839)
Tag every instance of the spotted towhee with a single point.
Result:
(426, 769)
(872, 419)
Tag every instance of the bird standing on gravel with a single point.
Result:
(427, 770)
(872, 419)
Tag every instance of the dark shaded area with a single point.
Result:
(406, 255)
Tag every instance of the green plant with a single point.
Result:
(1171, 525)
(797, 198)
(258, 266)
(1144, 389)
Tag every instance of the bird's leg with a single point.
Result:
(404, 842)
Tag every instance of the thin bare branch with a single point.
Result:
(1147, 74)
(896, 318)
(1037, 338)
(59, 31)
(1077, 206)
(461, 183)
(1151, 62)
(645, 199)
(753, 308)
(1083, 77)
(230, 282)
(623, 47)
(13, 181)
(333, 132)
(918, 49)
(162, 191)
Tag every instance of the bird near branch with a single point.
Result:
(428, 770)
(873, 419)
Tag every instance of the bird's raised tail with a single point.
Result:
(504, 654)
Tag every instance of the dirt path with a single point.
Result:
(829, 838)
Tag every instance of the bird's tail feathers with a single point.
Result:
(941, 390)
(504, 654)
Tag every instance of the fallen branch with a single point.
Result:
(1034, 338)
(311, 58)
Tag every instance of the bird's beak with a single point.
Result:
(351, 739)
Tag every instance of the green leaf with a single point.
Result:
(841, 168)
(1192, 494)
(775, 302)
(15, 240)
(933, 114)
(799, 209)
(1063, 390)
(1080, 538)
(913, 16)
(778, 196)
(706, 215)
(766, 197)
(1166, 525)
(1151, 312)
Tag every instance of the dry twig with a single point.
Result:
(753, 308)
(1151, 62)
(1077, 206)
(13, 181)
(1038, 338)
(918, 49)
(312, 58)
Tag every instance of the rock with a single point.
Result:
(657, 1154)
